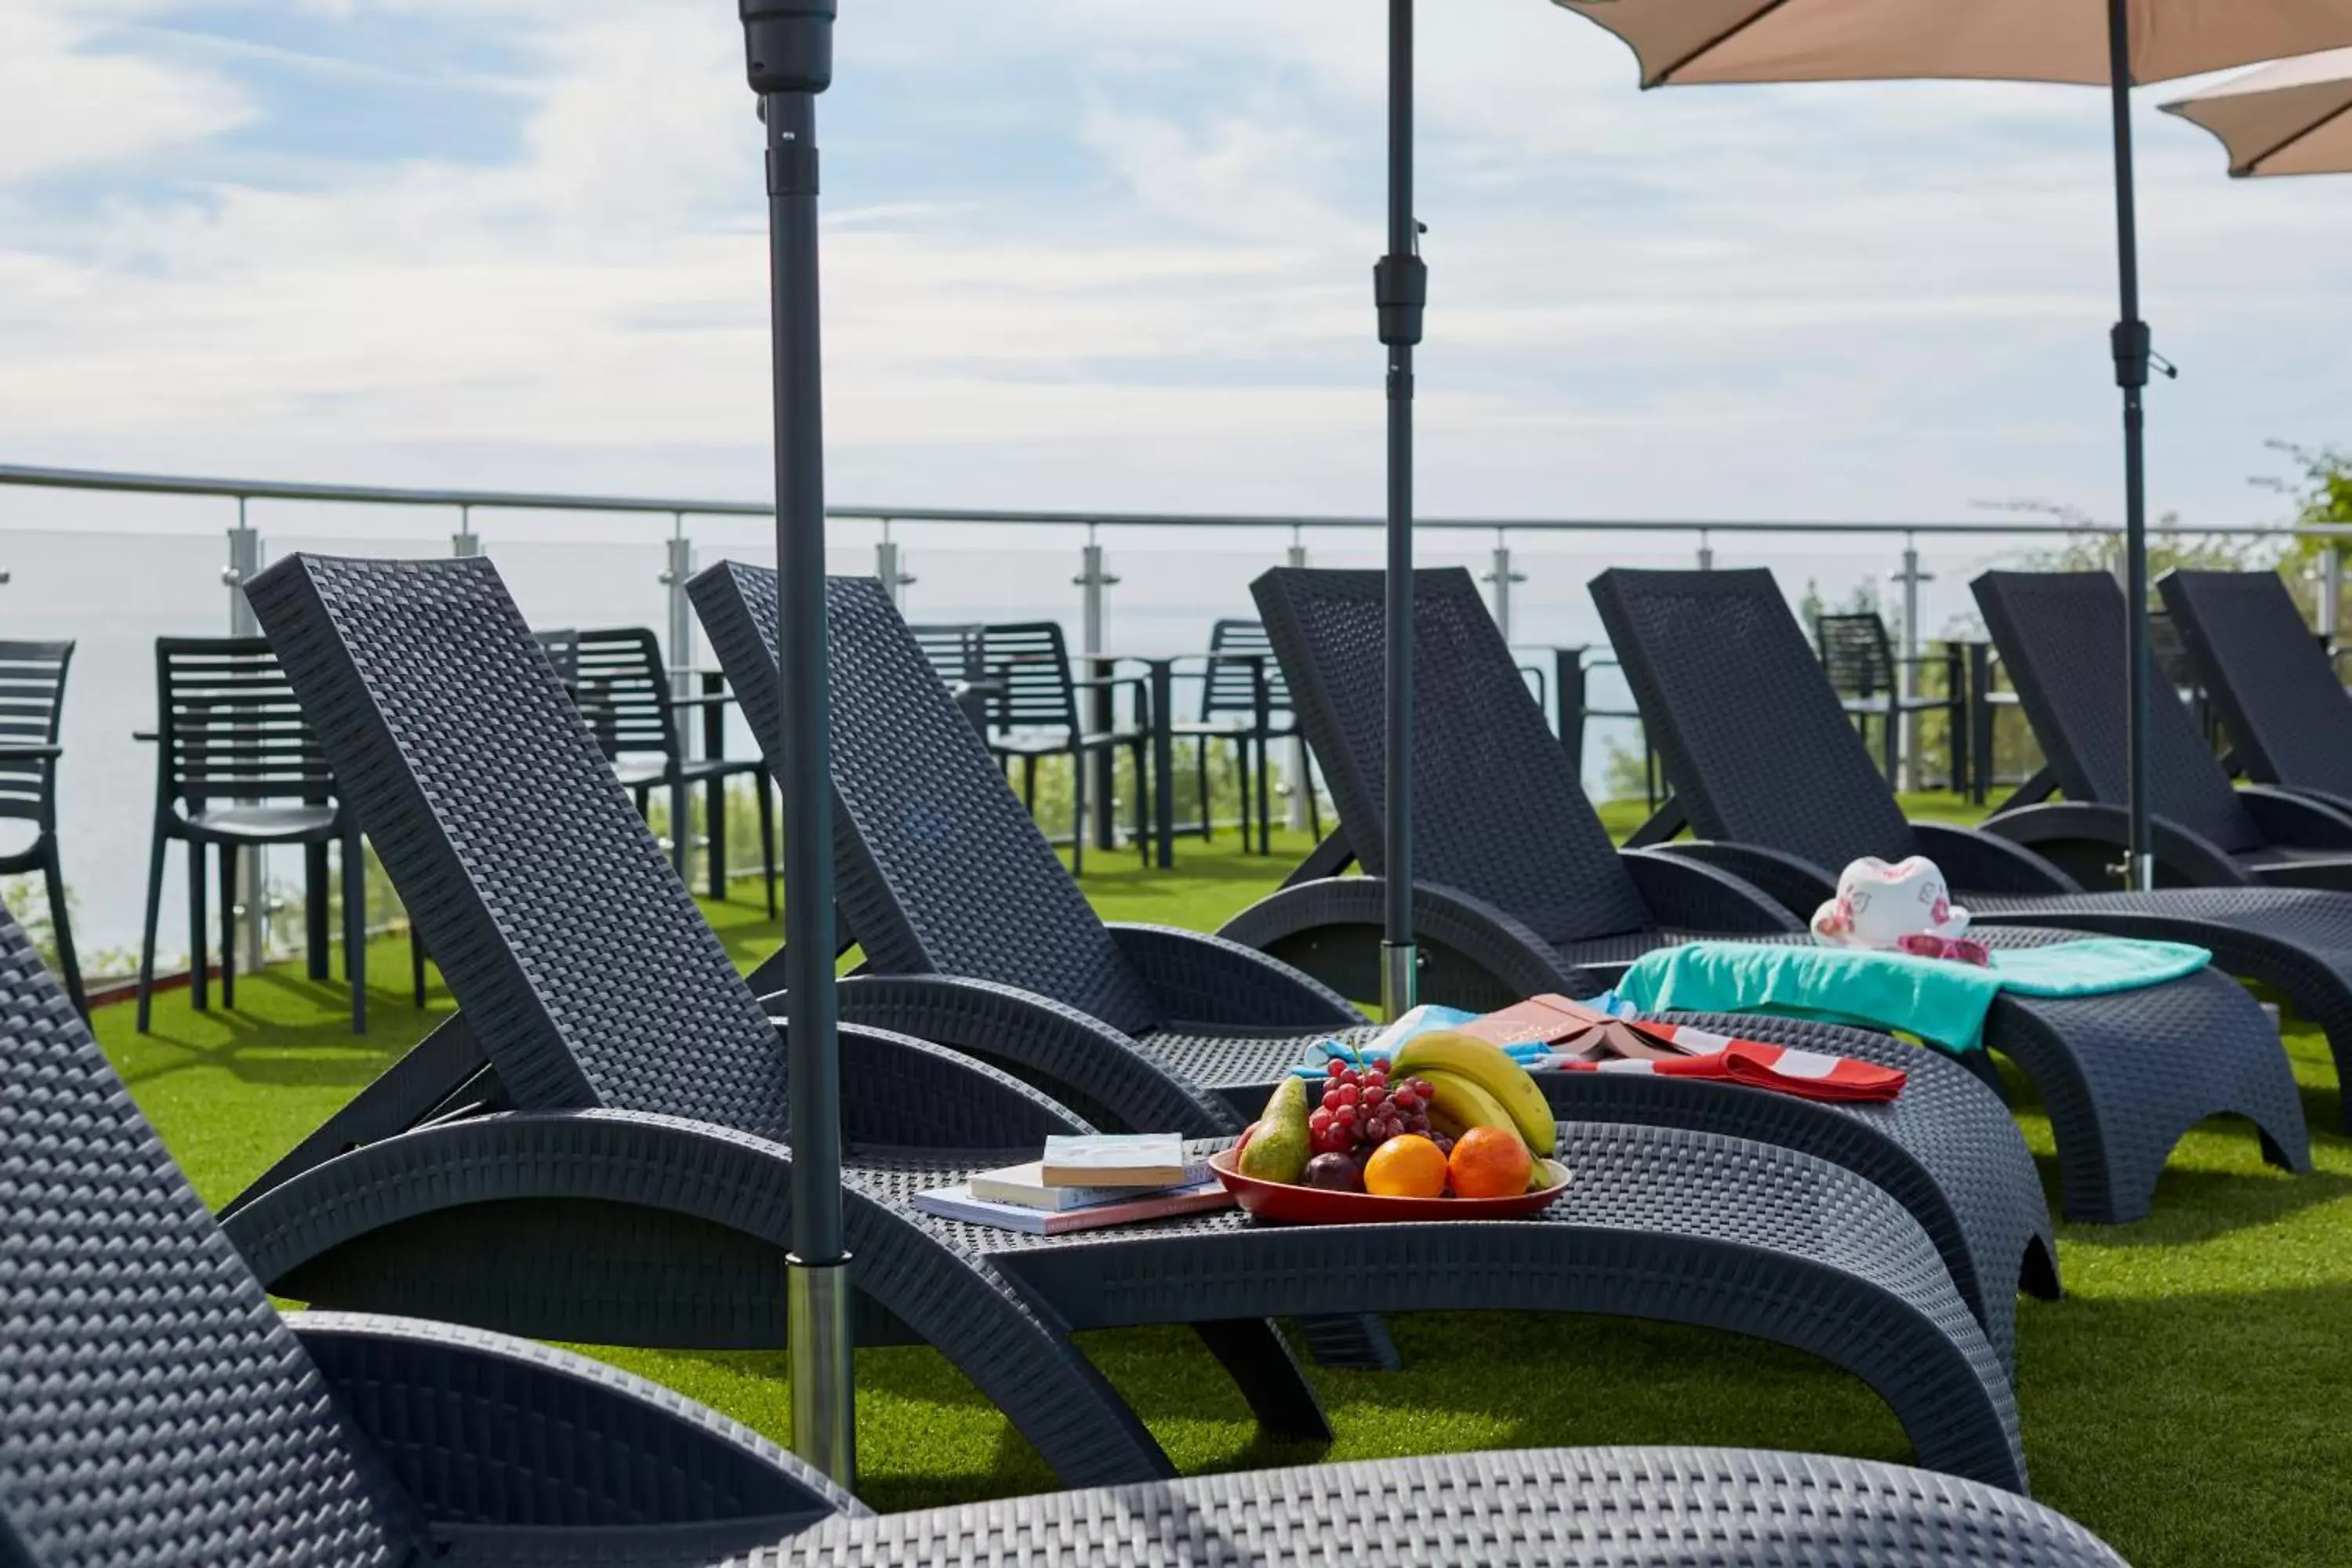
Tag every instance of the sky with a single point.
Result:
(1092, 254)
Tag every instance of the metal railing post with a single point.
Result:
(1907, 678)
(253, 915)
(1706, 551)
(1502, 576)
(678, 568)
(2331, 591)
(1297, 777)
(465, 543)
(1092, 579)
(886, 566)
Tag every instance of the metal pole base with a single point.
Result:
(817, 1324)
(1400, 979)
(2143, 873)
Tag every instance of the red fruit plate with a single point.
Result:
(1320, 1206)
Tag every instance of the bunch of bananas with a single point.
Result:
(1474, 1083)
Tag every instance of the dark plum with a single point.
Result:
(1335, 1172)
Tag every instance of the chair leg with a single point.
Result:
(1200, 776)
(416, 960)
(714, 837)
(154, 917)
(767, 838)
(1143, 804)
(355, 928)
(229, 928)
(1077, 811)
(315, 902)
(1894, 743)
(200, 990)
(1265, 816)
(1029, 784)
(53, 880)
(1314, 806)
(681, 827)
(1242, 783)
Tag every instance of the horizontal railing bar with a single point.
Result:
(523, 501)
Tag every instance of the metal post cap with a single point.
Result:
(788, 44)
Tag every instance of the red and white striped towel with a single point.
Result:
(1810, 1075)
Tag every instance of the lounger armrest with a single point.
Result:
(898, 1090)
(1688, 892)
(2298, 819)
(1519, 960)
(2088, 840)
(1797, 885)
(1082, 1058)
(484, 1430)
(1205, 979)
(1982, 862)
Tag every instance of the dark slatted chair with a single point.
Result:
(622, 686)
(1246, 699)
(236, 768)
(31, 705)
(1859, 658)
(1032, 712)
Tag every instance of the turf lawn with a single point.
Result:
(2187, 1400)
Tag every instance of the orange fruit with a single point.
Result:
(1406, 1166)
(1490, 1162)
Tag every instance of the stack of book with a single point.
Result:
(1085, 1183)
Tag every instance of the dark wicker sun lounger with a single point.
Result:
(2282, 702)
(1508, 847)
(2061, 635)
(973, 935)
(154, 1408)
(1774, 781)
(617, 1177)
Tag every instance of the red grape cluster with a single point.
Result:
(1362, 1110)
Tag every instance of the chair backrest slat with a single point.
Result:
(622, 686)
(579, 957)
(230, 726)
(1757, 745)
(1229, 688)
(1028, 664)
(32, 707)
(2277, 689)
(1856, 653)
(1498, 810)
(153, 1407)
(942, 871)
(2061, 634)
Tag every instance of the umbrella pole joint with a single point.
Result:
(788, 56)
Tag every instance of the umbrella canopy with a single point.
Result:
(2292, 118)
(2002, 40)
(2109, 43)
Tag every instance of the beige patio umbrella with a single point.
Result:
(2292, 118)
(2116, 44)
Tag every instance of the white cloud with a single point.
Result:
(66, 105)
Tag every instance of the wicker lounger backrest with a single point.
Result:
(2280, 697)
(2061, 634)
(589, 976)
(941, 869)
(1498, 810)
(1757, 745)
(153, 1407)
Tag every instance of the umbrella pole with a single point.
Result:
(2132, 352)
(789, 48)
(1400, 286)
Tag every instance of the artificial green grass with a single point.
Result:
(2186, 1401)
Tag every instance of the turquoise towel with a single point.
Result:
(1933, 998)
